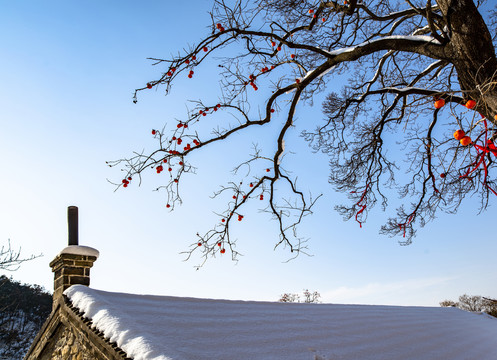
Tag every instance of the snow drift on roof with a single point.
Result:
(173, 328)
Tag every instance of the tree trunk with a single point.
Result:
(472, 54)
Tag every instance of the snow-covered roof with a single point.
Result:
(173, 328)
(80, 250)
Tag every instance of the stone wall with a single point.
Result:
(68, 345)
(67, 336)
(71, 347)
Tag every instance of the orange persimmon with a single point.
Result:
(470, 104)
(439, 103)
(465, 141)
(459, 134)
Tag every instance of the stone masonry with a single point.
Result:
(70, 269)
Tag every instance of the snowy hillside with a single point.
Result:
(23, 309)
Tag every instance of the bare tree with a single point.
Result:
(289, 297)
(470, 303)
(448, 303)
(417, 71)
(473, 303)
(309, 297)
(10, 259)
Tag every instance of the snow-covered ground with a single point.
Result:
(162, 327)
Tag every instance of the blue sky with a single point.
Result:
(68, 71)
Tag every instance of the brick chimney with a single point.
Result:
(72, 265)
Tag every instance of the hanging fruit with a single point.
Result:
(459, 134)
(439, 103)
(465, 141)
(470, 104)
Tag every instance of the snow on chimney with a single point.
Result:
(72, 265)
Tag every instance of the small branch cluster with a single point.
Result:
(11, 259)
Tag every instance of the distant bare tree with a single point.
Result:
(448, 303)
(288, 297)
(473, 303)
(11, 259)
(309, 297)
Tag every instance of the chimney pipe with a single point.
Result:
(72, 223)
